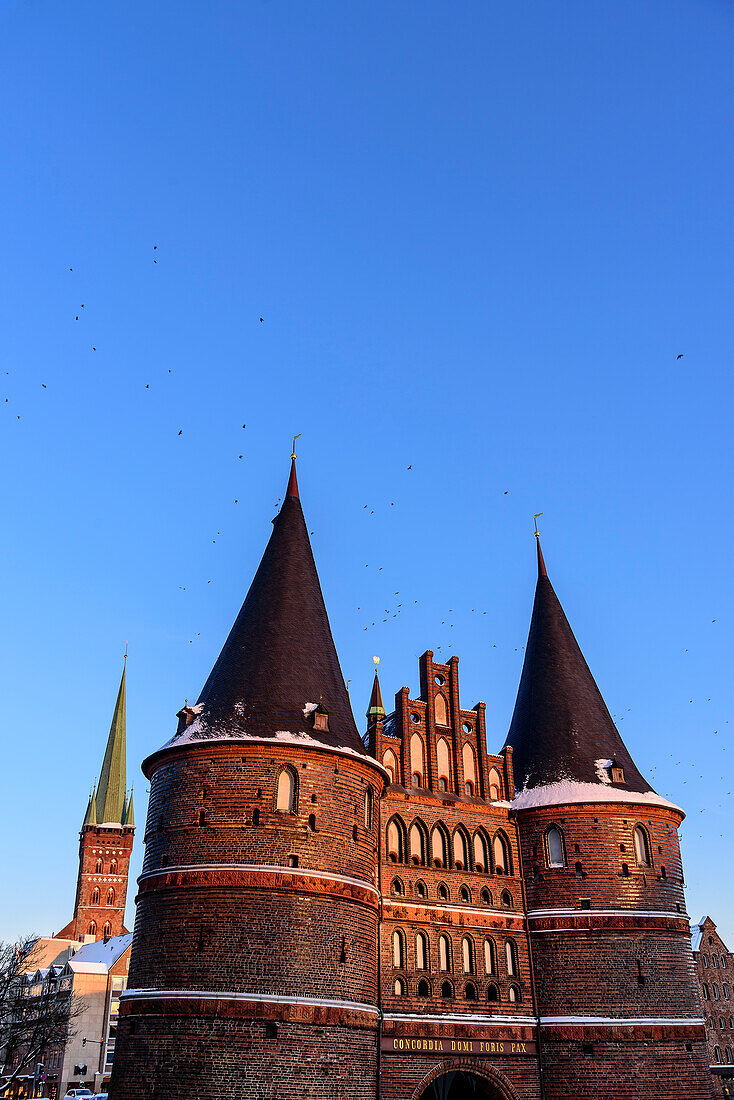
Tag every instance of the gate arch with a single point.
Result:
(494, 1078)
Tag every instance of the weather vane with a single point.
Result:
(125, 657)
(536, 517)
(295, 437)
(377, 661)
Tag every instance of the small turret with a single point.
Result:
(90, 817)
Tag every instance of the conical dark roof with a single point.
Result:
(561, 728)
(280, 655)
(376, 709)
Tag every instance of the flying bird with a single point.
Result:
(679, 356)
(181, 432)
(261, 320)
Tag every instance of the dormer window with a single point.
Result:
(321, 720)
(185, 717)
(617, 772)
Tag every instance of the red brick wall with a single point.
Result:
(103, 843)
(716, 997)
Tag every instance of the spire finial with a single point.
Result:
(125, 656)
(292, 490)
(541, 562)
(536, 517)
(376, 708)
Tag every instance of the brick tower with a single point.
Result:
(254, 965)
(105, 843)
(609, 935)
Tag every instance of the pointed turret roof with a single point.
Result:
(90, 817)
(561, 729)
(279, 661)
(111, 787)
(128, 815)
(376, 708)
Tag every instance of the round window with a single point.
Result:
(467, 727)
(415, 718)
(440, 680)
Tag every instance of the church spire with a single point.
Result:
(278, 672)
(376, 708)
(111, 788)
(90, 817)
(561, 728)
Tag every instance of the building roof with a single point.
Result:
(376, 709)
(110, 796)
(561, 731)
(98, 957)
(279, 663)
(697, 933)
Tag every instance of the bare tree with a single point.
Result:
(34, 1014)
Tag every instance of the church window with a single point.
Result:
(500, 853)
(390, 761)
(514, 994)
(490, 957)
(312, 823)
(447, 991)
(439, 847)
(420, 889)
(481, 860)
(725, 987)
(92, 928)
(554, 847)
(417, 844)
(715, 991)
(398, 949)
(467, 955)
(439, 679)
(256, 816)
(107, 930)
(486, 897)
(704, 986)
(395, 848)
(441, 710)
(465, 895)
(424, 990)
(723, 962)
(286, 792)
(417, 758)
(511, 957)
(470, 768)
(625, 870)
(98, 867)
(113, 867)
(507, 899)
(95, 896)
(715, 961)
(722, 1022)
(397, 887)
(443, 892)
(710, 1022)
(579, 870)
(470, 992)
(202, 817)
(443, 760)
(368, 809)
(399, 987)
(461, 853)
(642, 846)
(705, 960)
(727, 1055)
(492, 993)
(444, 953)
(110, 896)
(717, 1054)
(495, 785)
(421, 951)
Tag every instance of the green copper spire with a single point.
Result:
(111, 789)
(90, 817)
(128, 817)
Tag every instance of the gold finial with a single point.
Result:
(348, 683)
(295, 437)
(125, 657)
(536, 517)
(377, 661)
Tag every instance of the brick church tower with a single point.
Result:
(608, 931)
(105, 843)
(254, 964)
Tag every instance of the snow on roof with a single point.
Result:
(570, 792)
(98, 957)
(697, 933)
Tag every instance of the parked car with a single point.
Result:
(100, 1096)
(73, 1093)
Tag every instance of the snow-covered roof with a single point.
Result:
(98, 957)
(566, 792)
(697, 933)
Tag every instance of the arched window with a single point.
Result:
(465, 895)
(495, 785)
(486, 897)
(511, 957)
(513, 994)
(92, 928)
(98, 867)
(444, 953)
(368, 806)
(443, 893)
(490, 957)
(256, 816)
(399, 987)
(467, 955)
(727, 1054)
(420, 889)
(642, 846)
(286, 795)
(395, 845)
(443, 760)
(397, 888)
(554, 847)
(417, 844)
(715, 961)
(717, 1053)
(113, 867)
(725, 988)
(470, 769)
(441, 710)
(470, 992)
(421, 951)
(95, 896)
(481, 859)
(705, 988)
(507, 899)
(461, 851)
(439, 847)
(715, 990)
(492, 993)
(417, 759)
(110, 896)
(501, 857)
(107, 930)
(398, 949)
(705, 960)
(424, 989)
(447, 991)
(390, 761)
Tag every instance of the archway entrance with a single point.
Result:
(460, 1085)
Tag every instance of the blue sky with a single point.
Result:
(479, 236)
